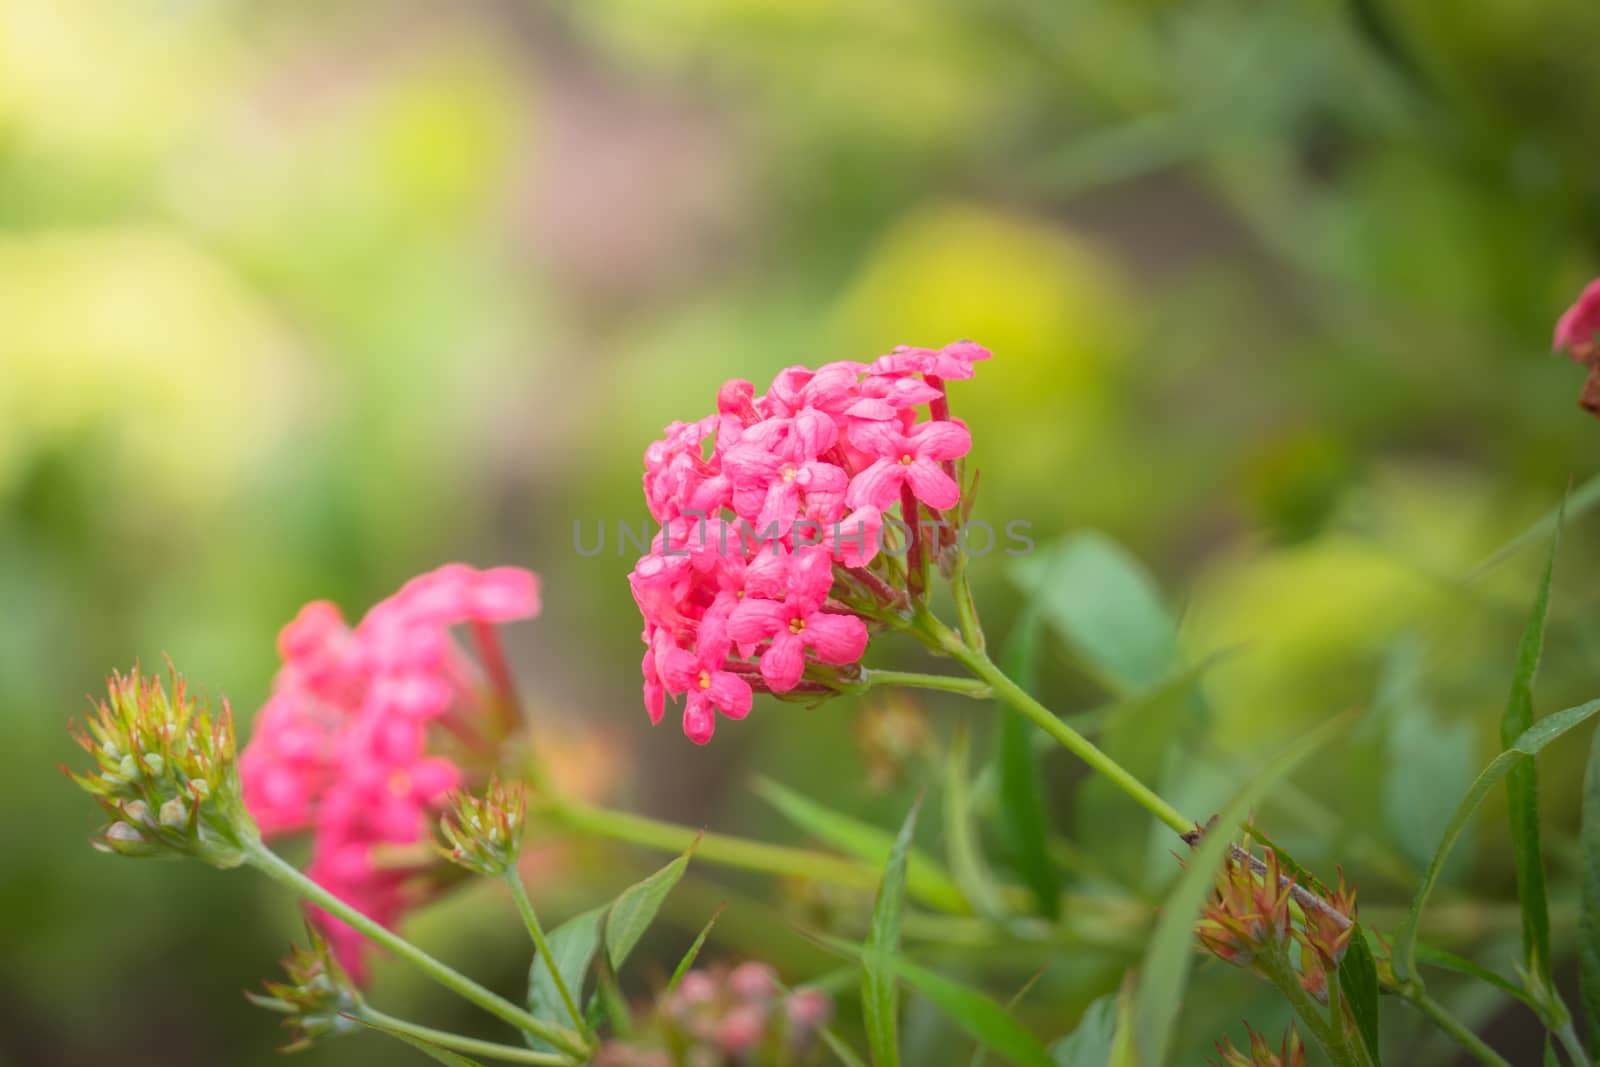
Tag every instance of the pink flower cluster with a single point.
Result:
(345, 747)
(763, 504)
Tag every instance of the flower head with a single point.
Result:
(318, 997)
(166, 773)
(369, 730)
(775, 516)
(1248, 913)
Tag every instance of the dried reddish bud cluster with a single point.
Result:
(721, 1018)
(772, 515)
(1250, 916)
(1290, 1053)
(166, 773)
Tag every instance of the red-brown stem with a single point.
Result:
(494, 662)
(886, 593)
(916, 571)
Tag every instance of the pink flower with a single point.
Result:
(342, 747)
(908, 459)
(797, 623)
(756, 505)
(1576, 329)
(700, 674)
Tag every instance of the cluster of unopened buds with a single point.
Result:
(1249, 920)
(791, 522)
(165, 773)
(1289, 1053)
(317, 998)
(726, 1018)
(370, 728)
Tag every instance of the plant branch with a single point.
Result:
(457, 1043)
(530, 918)
(279, 870)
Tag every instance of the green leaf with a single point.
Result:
(1522, 786)
(965, 854)
(572, 948)
(880, 993)
(925, 880)
(1526, 747)
(431, 1050)
(635, 908)
(1358, 980)
(1438, 957)
(1023, 820)
(1589, 894)
(1579, 501)
(1107, 607)
(1164, 972)
(1090, 1044)
(694, 949)
(969, 1009)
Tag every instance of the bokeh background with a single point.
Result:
(298, 300)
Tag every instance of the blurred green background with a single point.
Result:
(298, 300)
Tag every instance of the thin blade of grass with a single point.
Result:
(880, 990)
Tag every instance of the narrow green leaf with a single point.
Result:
(1522, 785)
(1589, 894)
(1578, 502)
(880, 992)
(1438, 957)
(572, 947)
(1089, 1045)
(925, 880)
(1164, 972)
(1023, 819)
(967, 863)
(969, 1009)
(1526, 747)
(428, 1048)
(1358, 980)
(635, 908)
(694, 949)
(608, 995)
(1107, 607)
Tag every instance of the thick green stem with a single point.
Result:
(466, 1045)
(279, 870)
(1569, 1041)
(716, 848)
(530, 918)
(1463, 1035)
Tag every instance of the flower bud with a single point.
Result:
(484, 834)
(155, 754)
(318, 998)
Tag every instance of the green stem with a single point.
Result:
(983, 667)
(519, 893)
(279, 870)
(966, 605)
(1569, 1040)
(717, 848)
(1344, 1048)
(457, 1043)
(1441, 1018)
(946, 683)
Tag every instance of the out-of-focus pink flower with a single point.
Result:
(342, 748)
(1578, 325)
(794, 485)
